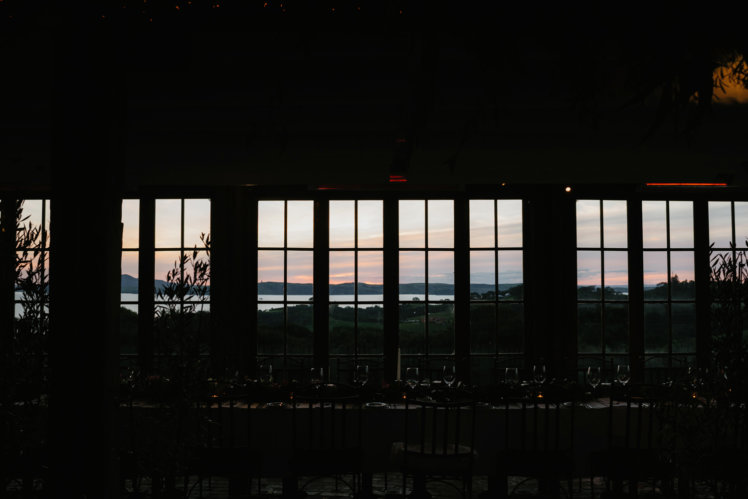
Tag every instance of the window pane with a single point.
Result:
(483, 328)
(741, 223)
(300, 328)
(412, 331)
(168, 223)
(482, 275)
(270, 326)
(614, 224)
(300, 224)
(196, 221)
(441, 275)
(655, 275)
(654, 224)
(370, 329)
(370, 275)
(299, 275)
(270, 275)
(482, 223)
(412, 224)
(681, 224)
(511, 327)
(128, 329)
(589, 326)
(412, 275)
(588, 224)
(682, 275)
(720, 224)
(370, 224)
(510, 274)
(617, 328)
(655, 328)
(130, 223)
(341, 275)
(684, 327)
(270, 224)
(441, 224)
(342, 329)
(441, 328)
(616, 275)
(509, 212)
(589, 278)
(165, 261)
(342, 224)
(129, 277)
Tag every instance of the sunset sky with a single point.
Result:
(413, 231)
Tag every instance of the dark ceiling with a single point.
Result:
(249, 94)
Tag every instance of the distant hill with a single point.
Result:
(129, 284)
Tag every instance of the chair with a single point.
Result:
(326, 437)
(636, 450)
(538, 443)
(438, 443)
(222, 446)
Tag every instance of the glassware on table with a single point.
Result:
(593, 377)
(266, 374)
(511, 376)
(361, 375)
(448, 375)
(623, 374)
(316, 376)
(538, 373)
(411, 377)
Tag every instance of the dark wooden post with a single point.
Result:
(85, 257)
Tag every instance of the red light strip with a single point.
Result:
(686, 184)
(398, 178)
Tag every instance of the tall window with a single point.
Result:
(356, 278)
(496, 282)
(669, 287)
(31, 299)
(728, 237)
(602, 279)
(285, 257)
(182, 275)
(129, 279)
(426, 294)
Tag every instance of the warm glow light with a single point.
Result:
(685, 184)
(398, 178)
(567, 189)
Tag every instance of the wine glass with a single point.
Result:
(266, 374)
(511, 375)
(623, 374)
(538, 374)
(316, 375)
(411, 377)
(593, 377)
(361, 375)
(448, 375)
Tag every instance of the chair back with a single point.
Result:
(327, 418)
(439, 429)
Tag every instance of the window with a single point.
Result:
(31, 297)
(285, 288)
(496, 282)
(182, 276)
(669, 287)
(128, 315)
(426, 270)
(728, 237)
(356, 278)
(602, 280)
